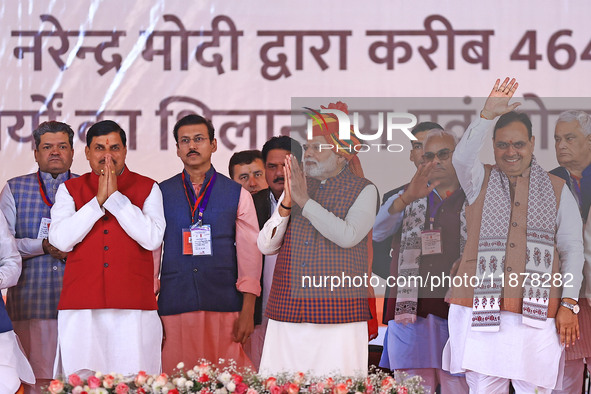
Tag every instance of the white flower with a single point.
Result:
(77, 390)
(221, 391)
(180, 382)
(231, 386)
(225, 377)
(98, 374)
(180, 365)
(191, 374)
(189, 384)
(164, 390)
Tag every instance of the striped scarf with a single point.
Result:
(541, 226)
(409, 258)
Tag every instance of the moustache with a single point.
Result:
(192, 151)
(279, 179)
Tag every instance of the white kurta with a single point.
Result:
(108, 340)
(319, 349)
(14, 366)
(516, 351)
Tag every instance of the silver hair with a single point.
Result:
(440, 133)
(581, 117)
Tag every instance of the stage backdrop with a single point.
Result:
(146, 63)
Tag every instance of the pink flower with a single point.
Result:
(173, 391)
(55, 387)
(122, 388)
(317, 388)
(270, 383)
(141, 378)
(340, 388)
(388, 383)
(299, 378)
(236, 378)
(275, 389)
(241, 388)
(402, 390)
(349, 383)
(140, 391)
(293, 388)
(252, 391)
(94, 382)
(203, 378)
(108, 381)
(75, 380)
(329, 383)
(162, 379)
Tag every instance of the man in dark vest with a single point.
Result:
(211, 266)
(320, 230)
(572, 137)
(26, 202)
(525, 238)
(14, 367)
(273, 154)
(109, 220)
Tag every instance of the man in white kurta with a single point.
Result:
(528, 354)
(14, 366)
(103, 325)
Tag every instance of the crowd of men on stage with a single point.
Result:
(111, 271)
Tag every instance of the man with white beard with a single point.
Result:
(318, 317)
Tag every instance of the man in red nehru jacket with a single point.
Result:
(109, 220)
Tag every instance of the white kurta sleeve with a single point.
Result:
(387, 224)
(569, 243)
(68, 226)
(271, 236)
(27, 247)
(10, 259)
(145, 226)
(356, 225)
(469, 169)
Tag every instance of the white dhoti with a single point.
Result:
(315, 349)
(108, 340)
(517, 351)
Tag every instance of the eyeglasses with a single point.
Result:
(198, 140)
(505, 145)
(443, 154)
(314, 147)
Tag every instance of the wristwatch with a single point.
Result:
(575, 308)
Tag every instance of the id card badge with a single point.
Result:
(201, 240)
(44, 228)
(431, 242)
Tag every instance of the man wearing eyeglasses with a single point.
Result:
(211, 266)
(386, 230)
(433, 233)
(525, 240)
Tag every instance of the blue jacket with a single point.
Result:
(200, 283)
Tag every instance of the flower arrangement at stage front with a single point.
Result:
(206, 378)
